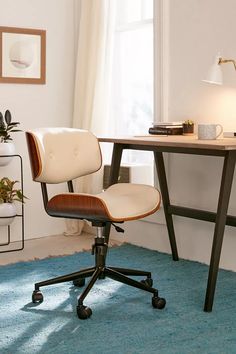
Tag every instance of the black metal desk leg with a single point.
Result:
(223, 202)
(114, 175)
(115, 163)
(160, 167)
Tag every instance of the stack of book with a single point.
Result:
(167, 128)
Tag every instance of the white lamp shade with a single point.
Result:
(214, 75)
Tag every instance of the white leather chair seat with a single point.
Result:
(127, 201)
(120, 202)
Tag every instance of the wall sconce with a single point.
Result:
(214, 75)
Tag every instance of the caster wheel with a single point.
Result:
(147, 282)
(158, 302)
(83, 312)
(37, 296)
(79, 282)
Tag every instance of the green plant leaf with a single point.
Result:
(13, 123)
(14, 130)
(8, 193)
(8, 117)
(1, 119)
(7, 128)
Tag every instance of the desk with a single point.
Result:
(225, 148)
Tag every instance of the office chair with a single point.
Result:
(62, 154)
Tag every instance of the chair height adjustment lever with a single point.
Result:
(118, 229)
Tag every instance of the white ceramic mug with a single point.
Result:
(209, 131)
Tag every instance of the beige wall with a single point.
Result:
(197, 30)
(41, 105)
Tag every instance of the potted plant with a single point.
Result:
(8, 195)
(188, 127)
(6, 128)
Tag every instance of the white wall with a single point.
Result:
(41, 105)
(198, 29)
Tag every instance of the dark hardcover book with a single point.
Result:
(166, 131)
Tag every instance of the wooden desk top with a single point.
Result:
(174, 141)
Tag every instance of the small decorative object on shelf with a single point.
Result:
(188, 127)
(8, 195)
(7, 127)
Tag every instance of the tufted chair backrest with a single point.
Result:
(62, 154)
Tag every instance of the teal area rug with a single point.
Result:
(123, 319)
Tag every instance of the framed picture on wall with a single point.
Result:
(22, 55)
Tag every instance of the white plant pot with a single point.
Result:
(6, 149)
(7, 213)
